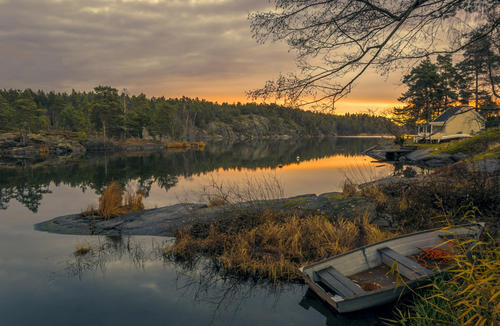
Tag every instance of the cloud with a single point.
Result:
(160, 47)
(130, 43)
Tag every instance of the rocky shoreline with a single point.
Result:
(421, 157)
(163, 221)
(57, 146)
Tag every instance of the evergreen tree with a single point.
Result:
(425, 95)
(28, 117)
(478, 70)
(6, 114)
(107, 111)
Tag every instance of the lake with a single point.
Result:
(125, 280)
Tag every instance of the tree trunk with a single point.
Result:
(477, 89)
(104, 130)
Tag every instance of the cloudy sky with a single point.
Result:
(171, 48)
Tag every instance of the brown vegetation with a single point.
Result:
(349, 188)
(468, 295)
(113, 202)
(271, 246)
(448, 192)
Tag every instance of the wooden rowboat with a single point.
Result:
(340, 280)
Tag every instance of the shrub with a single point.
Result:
(112, 202)
(349, 189)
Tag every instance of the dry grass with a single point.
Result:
(271, 246)
(113, 202)
(349, 189)
(254, 190)
(373, 192)
(133, 201)
(447, 192)
(217, 201)
(469, 296)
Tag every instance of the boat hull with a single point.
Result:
(368, 257)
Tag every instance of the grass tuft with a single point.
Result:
(271, 246)
(113, 202)
(349, 188)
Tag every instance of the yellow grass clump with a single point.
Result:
(113, 202)
(470, 295)
(276, 247)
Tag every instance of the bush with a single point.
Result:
(112, 202)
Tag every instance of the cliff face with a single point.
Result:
(257, 127)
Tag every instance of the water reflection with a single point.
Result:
(204, 285)
(29, 183)
(366, 317)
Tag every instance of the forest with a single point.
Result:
(109, 113)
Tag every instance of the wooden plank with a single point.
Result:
(406, 267)
(339, 283)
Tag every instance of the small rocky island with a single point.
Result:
(165, 220)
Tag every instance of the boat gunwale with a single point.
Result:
(480, 224)
(399, 287)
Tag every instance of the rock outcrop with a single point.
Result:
(163, 221)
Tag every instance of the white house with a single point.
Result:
(454, 123)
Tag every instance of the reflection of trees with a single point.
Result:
(198, 281)
(102, 252)
(202, 282)
(223, 294)
(27, 194)
(28, 184)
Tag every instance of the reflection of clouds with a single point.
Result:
(220, 297)
(151, 286)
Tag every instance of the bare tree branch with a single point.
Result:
(337, 41)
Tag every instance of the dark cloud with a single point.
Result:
(160, 47)
(135, 44)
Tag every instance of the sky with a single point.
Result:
(171, 48)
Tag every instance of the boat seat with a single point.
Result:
(450, 236)
(406, 267)
(338, 282)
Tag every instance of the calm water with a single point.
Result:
(125, 281)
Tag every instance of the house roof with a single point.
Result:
(447, 114)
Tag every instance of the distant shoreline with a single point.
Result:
(367, 136)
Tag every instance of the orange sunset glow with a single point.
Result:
(198, 49)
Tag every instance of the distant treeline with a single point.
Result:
(106, 112)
